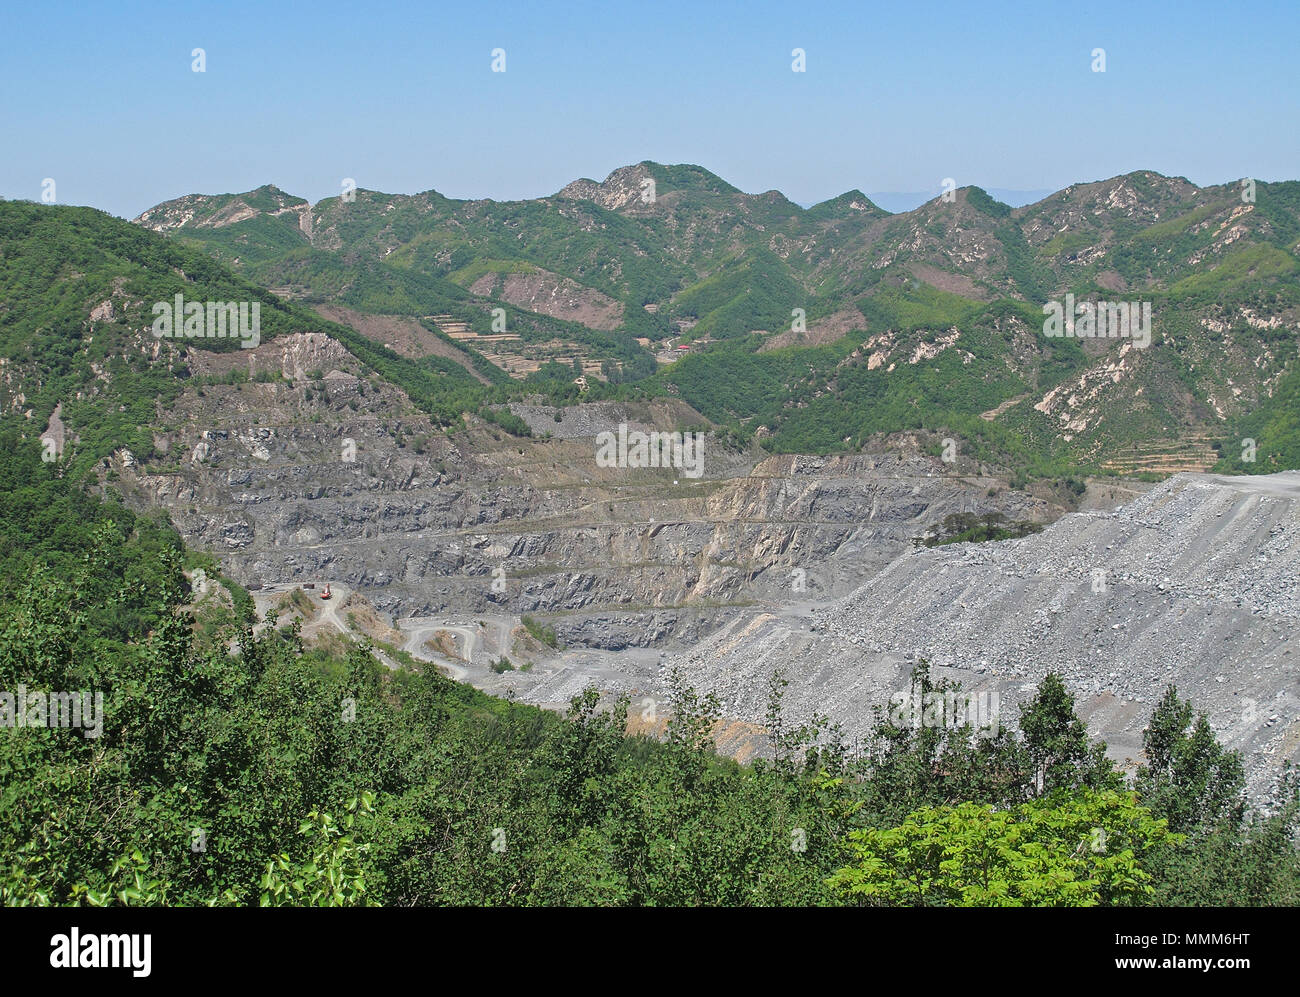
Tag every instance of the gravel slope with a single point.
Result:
(1198, 584)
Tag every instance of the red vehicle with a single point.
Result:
(326, 593)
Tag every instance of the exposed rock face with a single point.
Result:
(550, 294)
(622, 187)
(1194, 583)
(419, 540)
(304, 479)
(309, 351)
(398, 333)
(578, 422)
(1102, 203)
(221, 210)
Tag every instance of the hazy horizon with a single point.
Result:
(894, 202)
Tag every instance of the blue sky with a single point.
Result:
(402, 98)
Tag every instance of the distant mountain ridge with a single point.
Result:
(931, 315)
(899, 202)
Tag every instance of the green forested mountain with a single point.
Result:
(923, 321)
(77, 288)
(816, 329)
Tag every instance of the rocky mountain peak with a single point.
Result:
(625, 185)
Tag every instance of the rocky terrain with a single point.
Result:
(800, 563)
(323, 473)
(1193, 583)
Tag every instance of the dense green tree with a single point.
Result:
(1057, 742)
(1188, 777)
(1064, 851)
